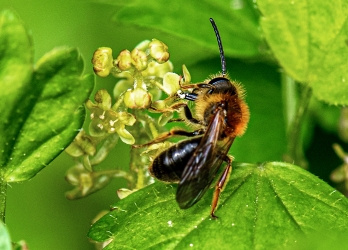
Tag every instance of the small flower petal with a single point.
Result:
(125, 136)
(171, 83)
(103, 99)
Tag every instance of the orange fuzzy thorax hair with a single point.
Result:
(236, 114)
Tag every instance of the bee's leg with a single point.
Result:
(186, 96)
(173, 132)
(174, 107)
(189, 116)
(177, 120)
(187, 113)
(220, 185)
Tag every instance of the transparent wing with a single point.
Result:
(203, 164)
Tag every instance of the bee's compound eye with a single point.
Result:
(219, 81)
(222, 85)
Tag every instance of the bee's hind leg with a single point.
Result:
(220, 185)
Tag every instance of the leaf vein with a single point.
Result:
(284, 206)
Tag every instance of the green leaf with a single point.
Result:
(236, 20)
(41, 109)
(16, 56)
(322, 242)
(5, 240)
(309, 39)
(264, 206)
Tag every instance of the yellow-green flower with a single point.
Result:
(106, 120)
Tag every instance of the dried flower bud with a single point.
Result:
(137, 99)
(139, 59)
(124, 60)
(159, 51)
(102, 61)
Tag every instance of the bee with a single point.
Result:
(221, 114)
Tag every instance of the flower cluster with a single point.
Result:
(87, 182)
(107, 119)
(143, 73)
(142, 70)
(137, 59)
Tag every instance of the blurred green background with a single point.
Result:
(37, 210)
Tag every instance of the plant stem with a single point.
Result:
(3, 193)
(109, 144)
(289, 92)
(116, 173)
(138, 163)
(295, 111)
(140, 180)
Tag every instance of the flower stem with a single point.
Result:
(3, 193)
(109, 143)
(294, 110)
(289, 92)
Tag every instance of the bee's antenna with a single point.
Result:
(222, 55)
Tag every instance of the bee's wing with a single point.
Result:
(203, 164)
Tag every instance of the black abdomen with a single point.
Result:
(169, 165)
